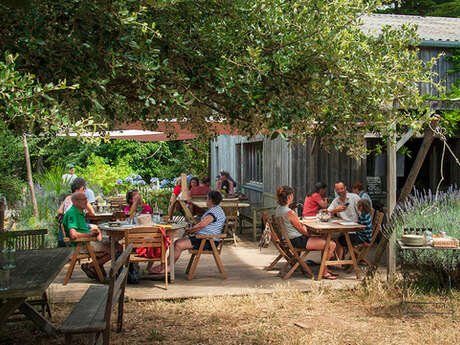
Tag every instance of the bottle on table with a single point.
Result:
(156, 214)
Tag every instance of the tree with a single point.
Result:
(260, 66)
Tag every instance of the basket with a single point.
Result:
(447, 242)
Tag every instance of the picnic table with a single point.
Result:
(35, 270)
(117, 233)
(334, 226)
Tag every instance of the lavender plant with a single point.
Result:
(440, 212)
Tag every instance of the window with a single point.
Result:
(253, 163)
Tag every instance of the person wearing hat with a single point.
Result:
(70, 176)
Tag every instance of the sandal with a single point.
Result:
(329, 276)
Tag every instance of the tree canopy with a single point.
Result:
(260, 66)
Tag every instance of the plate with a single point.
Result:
(113, 224)
(413, 240)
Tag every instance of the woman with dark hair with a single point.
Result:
(194, 182)
(225, 183)
(212, 223)
(135, 204)
(298, 234)
(315, 200)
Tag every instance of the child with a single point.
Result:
(364, 218)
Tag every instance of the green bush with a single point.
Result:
(101, 174)
(11, 188)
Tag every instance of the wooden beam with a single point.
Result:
(421, 154)
(404, 139)
(391, 203)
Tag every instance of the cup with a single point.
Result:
(8, 260)
(4, 279)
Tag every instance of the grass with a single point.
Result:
(370, 314)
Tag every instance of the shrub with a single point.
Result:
(103, 175)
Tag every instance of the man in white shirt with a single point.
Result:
(345, 204)
(70, 176)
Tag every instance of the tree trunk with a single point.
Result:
(2, 214)
(421, 154)
(29, 176)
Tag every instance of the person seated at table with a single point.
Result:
(225, 184)
(135, 204)
(202, 189)
(364, 209)
(194, 182)
(315, 200)
(358, 188)
(76, 227)
(345, 204)
(78, 185)
(212, 223)
(198, 191)
(298, 234)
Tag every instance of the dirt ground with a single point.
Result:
(369, 315)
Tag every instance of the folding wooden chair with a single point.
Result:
(295, 256)
(362, 249)
(215, 251)
(147, 237)
(231, 215)
(77, 255)
(284, 252)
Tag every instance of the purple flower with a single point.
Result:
(119, 181)
(164, 183)
(141, 183)
(154, 180)
(129, 179)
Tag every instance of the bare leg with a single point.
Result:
(318, 243)
(179, 246)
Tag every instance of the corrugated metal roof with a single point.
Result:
(430, 29)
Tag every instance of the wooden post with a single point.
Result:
(421, 154)
(184, 186)
(391, 203)
(29, 176)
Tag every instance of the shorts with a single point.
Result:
(300, 242)
(197, 241)
(354, 239)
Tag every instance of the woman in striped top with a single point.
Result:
(211, 223)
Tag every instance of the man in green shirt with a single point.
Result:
(76, 228)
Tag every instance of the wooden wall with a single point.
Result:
(327, 167)
(441, 68)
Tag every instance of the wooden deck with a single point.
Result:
(245, 269)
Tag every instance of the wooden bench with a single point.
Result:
(93, 312)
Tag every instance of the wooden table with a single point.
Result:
(201, 203)
(328, 228)
(117, 233)
(35, 271)
(100, 217)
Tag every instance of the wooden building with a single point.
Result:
(260, 165)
